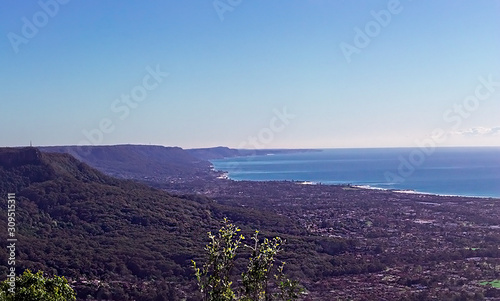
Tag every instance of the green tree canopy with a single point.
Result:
(37, 287)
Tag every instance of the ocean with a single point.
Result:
(466, 171)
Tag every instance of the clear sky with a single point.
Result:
(250, 73)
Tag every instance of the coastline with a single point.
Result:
(225, 175)
(438, 177)
(431, 236)
(411, 191)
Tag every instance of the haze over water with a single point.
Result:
(447, 171)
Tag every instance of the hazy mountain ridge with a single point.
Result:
(158, 165)
(141, 162)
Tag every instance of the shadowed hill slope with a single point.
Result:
(75, 221)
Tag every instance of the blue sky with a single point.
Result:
(266, 74)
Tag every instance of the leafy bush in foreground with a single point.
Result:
(214, 278)
(36, 287)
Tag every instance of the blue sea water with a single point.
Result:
(444, 171)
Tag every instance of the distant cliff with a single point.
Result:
(214, 153)
(11, 157)
(226, 152)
